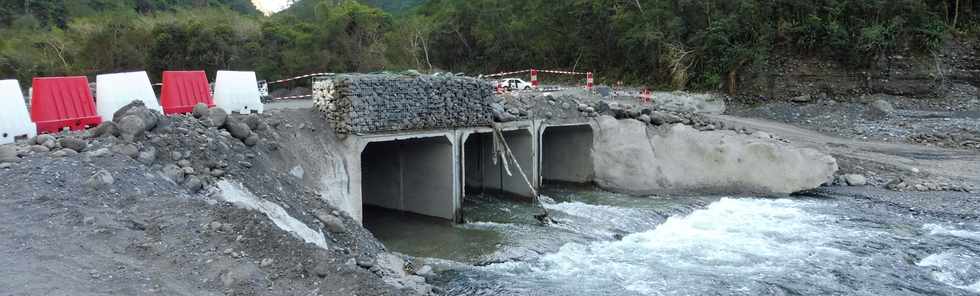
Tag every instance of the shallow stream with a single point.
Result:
(610, 244)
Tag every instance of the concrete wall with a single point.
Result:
(415, 175)
(566, 153)
(482, 175)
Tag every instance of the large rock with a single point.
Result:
(200, 110)
(880, 109)
(131, 127)
(855, 180)
(74, 143)
(8, 153)
(106, 128)
(46, 140)
(216, 117)
(331, 222)
(683, 160)
(126, 149)
(137, 108)
(237, 129)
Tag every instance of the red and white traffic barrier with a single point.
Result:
(534, 78)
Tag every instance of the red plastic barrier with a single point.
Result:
(59, 102)
(184, 89)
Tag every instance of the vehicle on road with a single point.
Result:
(514, 84)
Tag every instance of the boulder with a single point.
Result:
(237, 129)
(148, 155)
(174, 173)
(42, 138)
(629, 159)
(8, 154)
(137, 108)
(331, 222)
(200, 110)
(100, 180)
(217, 117)
(131, 127)
(880, 109)
(74, 143)
(855, 180)
(106, 128)
(126, 149)
(255, 123)
(251, 140)
(193, 183)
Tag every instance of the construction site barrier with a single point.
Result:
(15, 121)
(589, 81)
(534, 78)
(237, 91)
(113, 91)
(60, 102)
(184, 89)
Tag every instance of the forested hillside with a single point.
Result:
(394, 6)
(667, 43)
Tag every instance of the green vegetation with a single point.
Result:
(701, 44)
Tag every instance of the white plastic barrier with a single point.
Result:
(237, 91)
(114, 91)
(15, 121)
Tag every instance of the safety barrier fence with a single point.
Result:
(58, 103)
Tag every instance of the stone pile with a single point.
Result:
(191, 150)
(656, 116)
(378, 103)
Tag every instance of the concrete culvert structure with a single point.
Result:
(566, 154)
(483, 175)
(412, 175)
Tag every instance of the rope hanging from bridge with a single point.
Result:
(498, 135)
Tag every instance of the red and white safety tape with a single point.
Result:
(539, 71)
(299, 77)
(290, 97)
(563, 72)
(507, 73)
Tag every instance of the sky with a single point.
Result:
(270, 6)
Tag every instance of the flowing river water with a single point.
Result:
(610, 244)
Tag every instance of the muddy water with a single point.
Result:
(608, 244)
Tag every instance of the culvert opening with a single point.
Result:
(566, 154)
(481, 175)
(407, 177)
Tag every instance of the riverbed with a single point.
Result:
(610, 244)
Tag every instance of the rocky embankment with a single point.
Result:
(142, 205)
